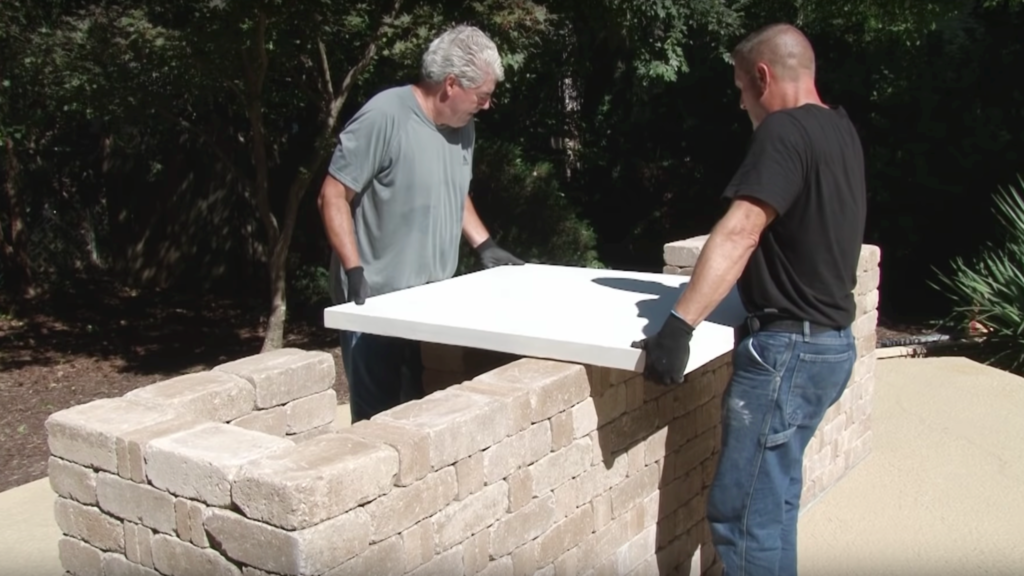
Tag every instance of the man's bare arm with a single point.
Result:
(336, 212)
(473, 228)
(723, 258)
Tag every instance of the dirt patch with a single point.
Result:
(102, 342)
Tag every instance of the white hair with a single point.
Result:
(466, 53)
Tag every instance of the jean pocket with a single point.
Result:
(763, 352)
(817, 382)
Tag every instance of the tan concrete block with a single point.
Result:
(597, 480)
(314, 481)
(870, 257)
(636, 456)
(85, 434)
(603, 380)
(500, 567)
(684, 253)
(418, 545)
(633, 554)
(866, 303)
(675, 495)
(476, 552)
(449, 562)
(584, 418)
(565, 499)
(312, 550)
(79, 558)
(677, 271)
(864, 367)
(611, 404)
(283, 375)
(176, 558)
(553, 386)
(303, 437)
(564, 535)
(470, 473)
(867, 281)
(631, 428)
(524, 559)
(381, 559)
(518, 451)
(602, 506)
(201, 463)
(413, 447)
(516, 399)
(460, 520)
(72, 481)
(272, 421)
(405, 507)
(212, 396)
(693, 453)
(117, 565)
(520, 489)
(458, 424)
(522, 526)
(599, 545)
(559, 467)
(131, 446)
(634, 490)
(568, 563)
(138, 544)
(89, 524)
(561, 430)
(136, 503)
(196, 514)
(312, 411)
(652, 507)
(635, 393)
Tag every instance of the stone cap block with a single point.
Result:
(458, 424)
(413, 447)
(283, 375)
(870, 257)
(684, 253)
(86, 434)
(553, 386)
(131, 446)
(201, 463)
(216, 396)
(314, 481)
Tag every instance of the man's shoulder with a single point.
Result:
(388, 105)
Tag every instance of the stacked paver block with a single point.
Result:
(844, 437)
(140, 478)
(535, 467)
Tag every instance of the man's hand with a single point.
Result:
(357, 287)
(491, 255)
(667, 352)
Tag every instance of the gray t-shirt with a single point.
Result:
(411, 179)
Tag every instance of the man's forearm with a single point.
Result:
(337, 218)
(473, 228)
(718, 268)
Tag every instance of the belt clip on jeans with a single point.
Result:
(754, 323)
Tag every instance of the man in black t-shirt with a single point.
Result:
(790, 242)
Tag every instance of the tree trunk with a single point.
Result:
(280, 233)
(15, 246)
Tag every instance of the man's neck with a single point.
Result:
(427, 97)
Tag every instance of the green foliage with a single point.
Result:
(990, 288)
(526, 212)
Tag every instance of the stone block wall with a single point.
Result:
(844, 438)
(534, 467)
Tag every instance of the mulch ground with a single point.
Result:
(101, 341)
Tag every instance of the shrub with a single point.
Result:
(522, 205)
(990, 289)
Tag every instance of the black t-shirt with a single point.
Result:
(808, 164)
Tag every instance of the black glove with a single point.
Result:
(667, 352)
(491, 255)
(357, 288)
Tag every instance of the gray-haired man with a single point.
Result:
(395, 204)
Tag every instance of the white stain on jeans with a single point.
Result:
(738, 412)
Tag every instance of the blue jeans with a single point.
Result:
(781, 386)
(382, 372)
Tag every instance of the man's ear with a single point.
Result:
(763, 77)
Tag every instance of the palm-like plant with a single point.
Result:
(990, 289)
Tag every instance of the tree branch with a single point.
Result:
(255, 76)
(328, 85)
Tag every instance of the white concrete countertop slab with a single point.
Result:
(582, 315)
